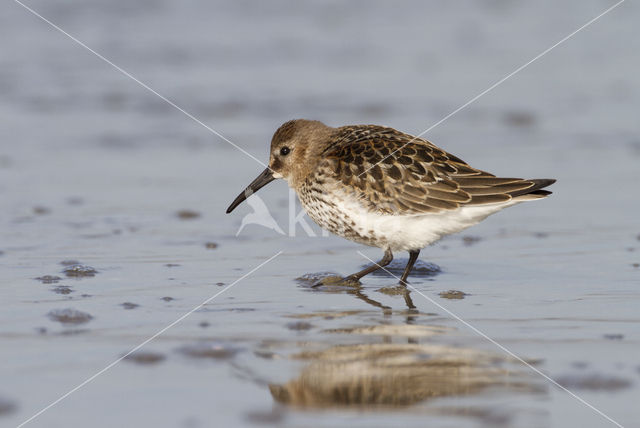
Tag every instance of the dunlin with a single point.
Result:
(381, 187)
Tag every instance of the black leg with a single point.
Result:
(386, 259)
(413, 256)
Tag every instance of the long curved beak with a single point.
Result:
(262, 180)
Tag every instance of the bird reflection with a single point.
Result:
(377, 369)
(387, 374)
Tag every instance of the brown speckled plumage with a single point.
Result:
(381, 187)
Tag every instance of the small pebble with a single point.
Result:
(187, 214)
(211, 245)
(129, 305)
(614, 336)
(38, 210)
(453, 294)
(48, 279)
(145, 357)
(299, 325)
(470, 240)
(79, 271)
(69, 316)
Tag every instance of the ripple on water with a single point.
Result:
(210, 350)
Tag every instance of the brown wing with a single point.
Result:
(396, 173)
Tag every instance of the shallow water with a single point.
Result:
(112, 221)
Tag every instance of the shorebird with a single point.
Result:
(381, 187)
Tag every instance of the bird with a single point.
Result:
(381, 187)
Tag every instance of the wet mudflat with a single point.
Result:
(112, 220)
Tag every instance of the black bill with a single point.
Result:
(262, 180)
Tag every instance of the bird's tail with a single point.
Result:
(535, 191)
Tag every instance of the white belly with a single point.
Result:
(411, 232)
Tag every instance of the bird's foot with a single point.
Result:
(335, 280)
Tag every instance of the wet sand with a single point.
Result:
(112, 221)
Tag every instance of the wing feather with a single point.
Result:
(395, 173)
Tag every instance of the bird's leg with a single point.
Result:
(386, 259)
(413, 256)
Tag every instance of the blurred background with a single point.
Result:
(112, 219)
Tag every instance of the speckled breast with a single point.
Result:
(321, 206)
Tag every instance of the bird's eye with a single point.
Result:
(285, 151)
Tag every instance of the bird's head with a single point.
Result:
(296, 147)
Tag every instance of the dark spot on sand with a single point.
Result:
(79, 271)
(75, 200)
(267, 355)
(73, 331)
(48, 279)
(167, 298)
(209, 350)
(172, 265)
(69, 316)
(219, 284)
(41, 330)
(62, 289)
(204, 324)
(39, 210)
(145, 357)
(541, 235)
(187, 214)
(299, 325)
(594, 382)
(453, 294)
(6, 406)
(69, 262)
(635, 265)
(270, 417)
(613, 336)
(5, 161)
(129, 305)
(519, 118)
(210, 245)
(470, 240)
